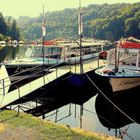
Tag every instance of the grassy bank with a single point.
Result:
(14, 126)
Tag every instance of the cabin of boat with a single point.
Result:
(55, 53)
(70, 49)
(128, 53)
(63, 51)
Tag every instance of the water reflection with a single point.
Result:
(9, 53)
(128, 103)
(111, 117)
(99, 115)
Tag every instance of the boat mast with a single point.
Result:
(43, 34)
(80, 36)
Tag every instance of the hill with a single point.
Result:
(106, 21)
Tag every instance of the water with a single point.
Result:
(90, 120)
(10, 53)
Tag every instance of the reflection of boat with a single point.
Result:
(122, 71)
(56, 54)
(111, 117)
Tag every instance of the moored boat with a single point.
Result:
(56, 54)
(122, 72)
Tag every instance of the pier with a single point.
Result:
(8, 97)
(38, 91)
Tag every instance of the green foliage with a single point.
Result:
(8, 28)
(3, 25)
(14, 31)
(100, 21)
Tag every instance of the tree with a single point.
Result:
(15, 34)
(131, 27)
(3, 25)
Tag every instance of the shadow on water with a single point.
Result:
(111, 116)
(73, 88)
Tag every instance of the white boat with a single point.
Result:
(122, 72)
(56, 54)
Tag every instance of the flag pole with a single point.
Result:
(43, 35)
(80, 37)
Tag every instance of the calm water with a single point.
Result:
(10, 52)
(90, 120)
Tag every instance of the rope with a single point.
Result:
(124, 132)
(110, 100)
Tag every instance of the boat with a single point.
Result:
(122, 71)
(55, 53)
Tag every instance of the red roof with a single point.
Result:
(129, 45)
(50, 42)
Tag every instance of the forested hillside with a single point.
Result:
(100, 21)
(8, 28)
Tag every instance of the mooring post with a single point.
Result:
(56, 115)
(69, 109)
(70, 65)
(116, 132)
(75, 65)
(36, 102)
(43, 116)
(98, 62)
(75, 111)
(3, 86)
(57, 69)
(81, 114)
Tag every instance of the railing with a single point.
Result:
(30, 73)
(34, 71)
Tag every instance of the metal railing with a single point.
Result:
(28, 73)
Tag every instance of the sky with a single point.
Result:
(33, 8)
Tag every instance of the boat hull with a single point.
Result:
(112, 85)
(124, 83)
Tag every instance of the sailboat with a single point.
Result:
(122, 72)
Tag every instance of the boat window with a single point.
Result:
(128, 58)
(37, 52)
(49, 50)
(95, 49)
(56, 50)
